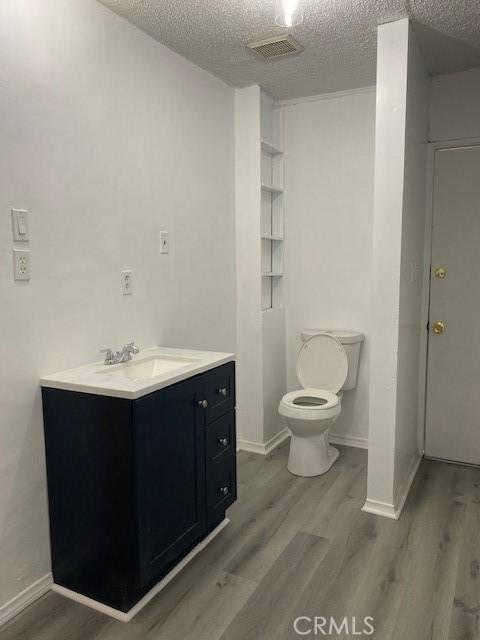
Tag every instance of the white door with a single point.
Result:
(453, 379)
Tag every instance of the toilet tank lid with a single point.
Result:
(344, 336)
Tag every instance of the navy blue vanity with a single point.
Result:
(135, 484)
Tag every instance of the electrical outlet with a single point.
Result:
(21, 264)
(127, 282)
(164, 242)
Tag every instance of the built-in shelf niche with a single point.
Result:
(272, 225)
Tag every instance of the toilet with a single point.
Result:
(327, 364)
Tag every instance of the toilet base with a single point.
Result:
(311, 456)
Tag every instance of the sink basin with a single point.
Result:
(155, 368)
(146, 368)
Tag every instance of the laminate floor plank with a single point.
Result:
(465, 618)
(282, 520)
(346, 491)
(52, 617)
(302, 547)
(272, 605)
(434, 544)
(330, 591)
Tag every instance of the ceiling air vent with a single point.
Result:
(276, 47)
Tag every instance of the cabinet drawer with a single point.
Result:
(219, 389)
(220, 437)
(221, 486)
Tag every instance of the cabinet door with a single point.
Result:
(221, 487)
(170, 467)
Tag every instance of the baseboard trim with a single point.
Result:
(126, 617)
(349, 441)
(379, 508)
(266, 447)
(270, 445)
(19, 602)
(394, 511)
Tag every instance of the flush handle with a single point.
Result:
(440, 272)
(438, 327)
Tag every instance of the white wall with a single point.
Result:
(106, 137)
(274, 370)
(454, 106)
(411, 328)
(261, 368)
(247, 214)
(329, 168)
(273, 320)
(271, 120)
(400, 165)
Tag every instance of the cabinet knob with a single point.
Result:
(222, 392)
(223, 491)
(203, 403)
(223, 441)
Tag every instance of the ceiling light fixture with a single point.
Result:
(289, 14)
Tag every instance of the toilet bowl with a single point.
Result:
(323, 365)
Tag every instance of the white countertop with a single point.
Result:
(104, 380)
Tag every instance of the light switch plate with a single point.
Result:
(164, 242)
(20, 227)
(126, 282)
(21, 264)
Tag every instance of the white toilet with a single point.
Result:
(327, 363)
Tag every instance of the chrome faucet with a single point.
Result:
(116, 357)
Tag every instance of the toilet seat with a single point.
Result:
(327, 399)
(291, 409)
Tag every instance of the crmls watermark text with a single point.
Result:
(321, 626)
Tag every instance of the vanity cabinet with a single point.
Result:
(134, 485)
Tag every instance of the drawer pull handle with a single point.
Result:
(222, 392)
(203, 403)
(223, 491)
(223, 441)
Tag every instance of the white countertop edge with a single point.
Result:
(64, 380)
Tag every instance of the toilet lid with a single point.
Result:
(322, 363)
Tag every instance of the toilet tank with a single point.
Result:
(351, 341)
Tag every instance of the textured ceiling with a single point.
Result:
(339, 37)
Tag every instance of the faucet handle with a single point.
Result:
(108, 355)
(131, 346)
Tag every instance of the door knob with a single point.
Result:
(440, 272)
(438, 327)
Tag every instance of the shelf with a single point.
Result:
(272, 274)
(272, 237)
(270, 148)
(271, 188)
